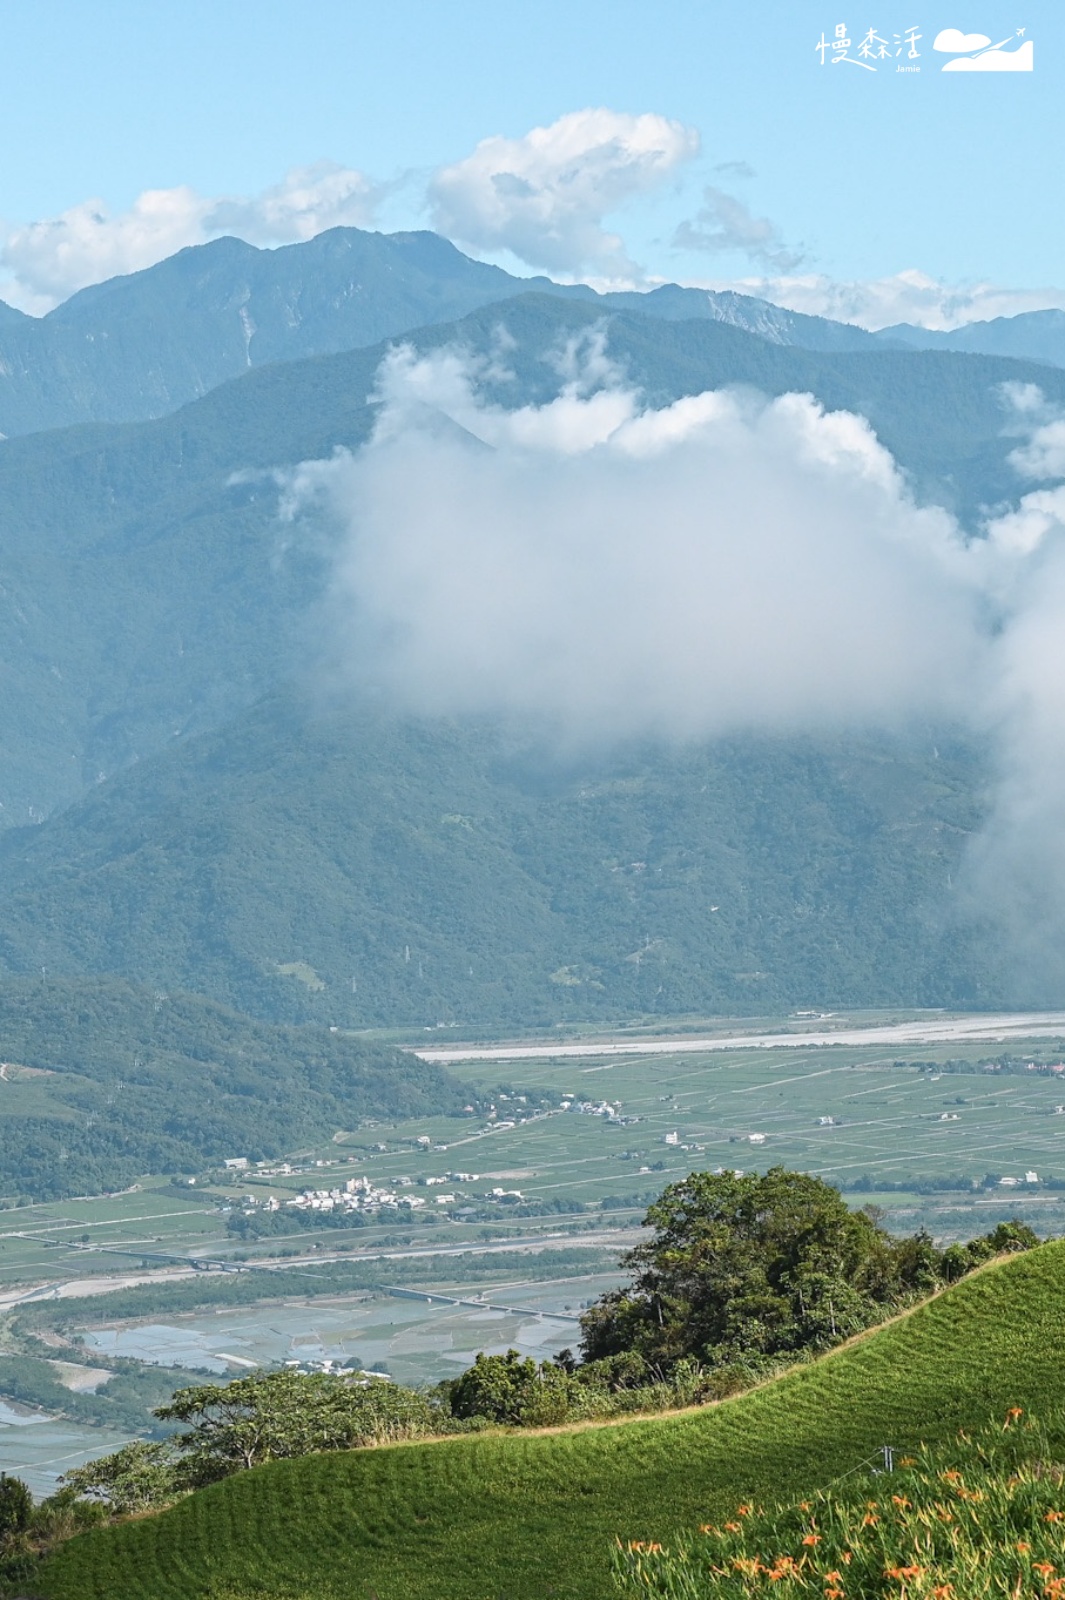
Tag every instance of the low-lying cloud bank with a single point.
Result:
(613, 570)
(911, 296)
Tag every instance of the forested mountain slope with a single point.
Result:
(148, 589)
(302, 863)
(106, 1081)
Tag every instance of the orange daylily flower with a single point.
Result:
(812, 1538)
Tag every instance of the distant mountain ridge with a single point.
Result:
(1029, 336)
(140, 346)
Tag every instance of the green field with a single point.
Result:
(526, 1516)
(887, 1131)
(894, 1127)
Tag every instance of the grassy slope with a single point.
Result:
(526, 1516)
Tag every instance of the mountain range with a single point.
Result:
(184, 805)
(140, 346)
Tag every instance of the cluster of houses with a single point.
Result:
(363, 1195)
(609, 1110)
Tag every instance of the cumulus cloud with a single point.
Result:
(909, 296)
(613, 569)
(306, 202)
(601, 569)
(50, 259)
(544, 196)
(724, 223)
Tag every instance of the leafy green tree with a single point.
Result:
(740, 1269)
(273, 1415)
(513, 1389)
(16, 1508)
(142, 1474)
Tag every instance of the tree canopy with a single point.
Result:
(741, 1268)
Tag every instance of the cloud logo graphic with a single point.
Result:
(952, 40)
(1020, 60)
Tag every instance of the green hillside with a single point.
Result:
(126, 1081)
(362, 871)
(525, 1517)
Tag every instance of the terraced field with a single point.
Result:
(523, 1517)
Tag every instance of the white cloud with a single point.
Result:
(909, 296)
(307, 201)
(1016, 871)
(50, 259)
(615, 569)
(1044, 454)
(544, 196)
(1041, 426)
(725, 223)
(609, 569)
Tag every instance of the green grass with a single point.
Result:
(528, 1516)
(977, 1519)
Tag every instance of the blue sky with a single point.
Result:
(834, 176)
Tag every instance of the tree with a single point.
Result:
(512, 1389)
(142, 1474)
(273, 1415)
(744, 1268)
(16, 1508)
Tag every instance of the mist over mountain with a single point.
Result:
(150, 589)
(221, 767)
